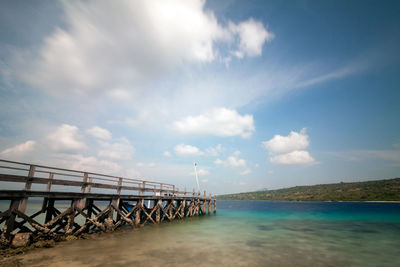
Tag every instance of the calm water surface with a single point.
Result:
(247, 233)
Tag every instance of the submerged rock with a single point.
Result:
(70, 238)
(45, 244)
(21, 240)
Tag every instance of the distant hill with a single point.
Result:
(380, 190)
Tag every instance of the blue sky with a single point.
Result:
(261, 94)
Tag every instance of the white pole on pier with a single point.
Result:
(197, 178)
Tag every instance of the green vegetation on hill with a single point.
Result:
(380, 190)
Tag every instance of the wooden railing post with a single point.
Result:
(51, 176)
(85, 178)
(90, 185)
(119, 186)
(46, 203)
(140, 190)
(81, 203)
(119, 192)
(28, 185)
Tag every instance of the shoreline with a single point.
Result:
(352, 201)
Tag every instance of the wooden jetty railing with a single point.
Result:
(92, 202)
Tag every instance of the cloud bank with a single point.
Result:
(98, 52)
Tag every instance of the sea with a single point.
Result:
(245, 233)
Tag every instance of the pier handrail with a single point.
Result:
(89, 180)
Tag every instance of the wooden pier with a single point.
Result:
(52, 203)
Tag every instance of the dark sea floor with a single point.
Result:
(245, 234)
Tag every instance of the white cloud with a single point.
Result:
(292, 158)
(204, 181)
(19, 149)
(187, 150)
(218, 162)
(283, 144)
(220, 122)
(252, 36)
(149, 39)
(234, 162)
(289, 149)
(167, 154)
(121, 149)
(92, 164)
(99, 133)
(237, 153)
(66, 139)
(214, 151)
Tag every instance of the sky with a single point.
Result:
(260, 94)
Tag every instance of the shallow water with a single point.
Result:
(247, 233)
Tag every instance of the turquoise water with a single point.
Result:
(245, 233)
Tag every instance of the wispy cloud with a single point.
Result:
(389, 155)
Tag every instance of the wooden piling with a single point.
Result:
(158, 211)
(137, 217)
(215, 206)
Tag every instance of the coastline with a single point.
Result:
(338, 201)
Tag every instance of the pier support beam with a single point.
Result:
(158, 211)
(9, 224)
(215, 206)
(139, 209)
